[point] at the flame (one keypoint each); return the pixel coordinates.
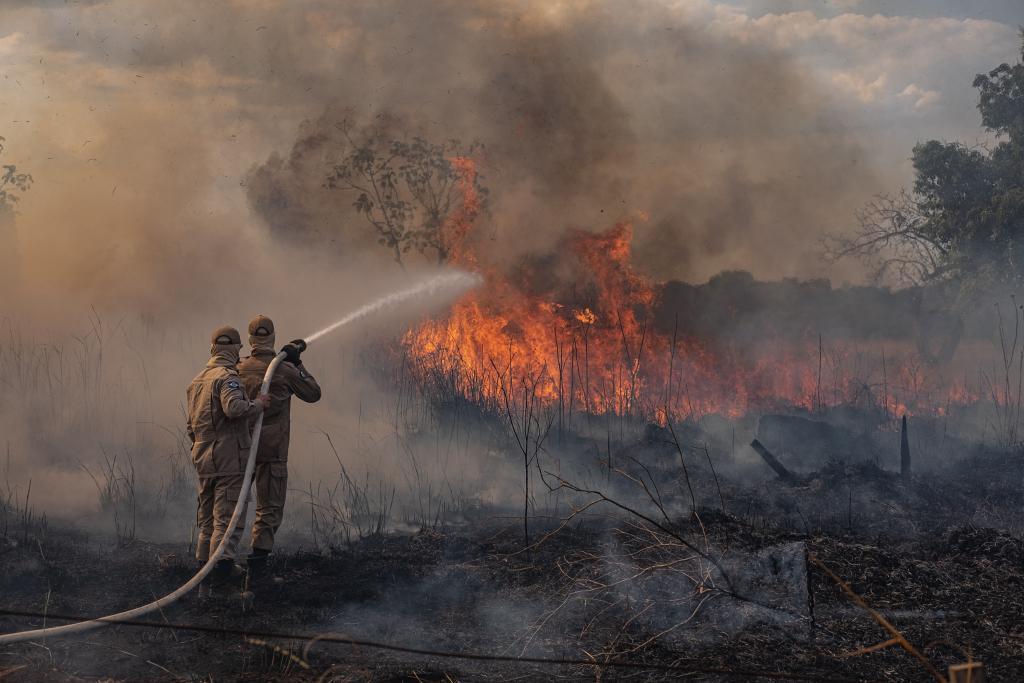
(591, 345)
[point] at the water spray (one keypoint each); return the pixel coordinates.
(447, 282)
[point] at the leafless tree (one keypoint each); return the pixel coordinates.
(894, 237)
(417, 195)
(529, 420)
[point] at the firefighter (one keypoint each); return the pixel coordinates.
(218, 414)
(271, 475)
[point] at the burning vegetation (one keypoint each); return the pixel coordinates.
(589, 334)
(591, 465)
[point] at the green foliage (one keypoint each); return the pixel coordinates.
(973, 200)
(964, 220)
(1001, 92)
(408, 191)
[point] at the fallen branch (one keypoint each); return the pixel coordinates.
(898, 637)
(784, 474)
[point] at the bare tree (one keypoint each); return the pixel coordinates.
(417, 195)
(894, 237)
(12, 182)
(529, 421)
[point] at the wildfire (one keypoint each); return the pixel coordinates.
(590, 344)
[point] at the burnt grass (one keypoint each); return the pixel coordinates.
(915, 552)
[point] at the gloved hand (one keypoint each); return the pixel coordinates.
(262, 401)
(292, 350)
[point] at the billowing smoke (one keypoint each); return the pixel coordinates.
(172, 192)
(588, 116)
(589, 112)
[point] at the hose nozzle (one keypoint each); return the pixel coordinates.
(292, 351)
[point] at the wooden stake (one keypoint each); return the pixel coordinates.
(904, 451)
(971, 672)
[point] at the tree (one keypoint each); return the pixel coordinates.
(964, 220)
(416, 195)
(12, 183)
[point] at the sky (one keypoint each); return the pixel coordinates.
(142, 121)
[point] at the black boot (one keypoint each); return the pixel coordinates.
(256, 567)
(224, 573)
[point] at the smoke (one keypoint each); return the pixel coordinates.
(173, 193)
(588, 116)
(171, 125)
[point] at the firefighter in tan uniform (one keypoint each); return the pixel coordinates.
(218, 414)
(271, 476)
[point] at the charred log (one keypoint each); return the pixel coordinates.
(773, 462)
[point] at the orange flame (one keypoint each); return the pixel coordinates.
(592, 346)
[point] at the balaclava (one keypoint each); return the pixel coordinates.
(261, 333)
(225, 343)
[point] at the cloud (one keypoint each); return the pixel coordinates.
(920, 97)
(861, 88)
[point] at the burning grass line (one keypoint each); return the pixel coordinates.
(473, 656)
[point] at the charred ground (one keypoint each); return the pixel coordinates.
(940, 556)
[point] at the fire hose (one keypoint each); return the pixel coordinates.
(170, 598)
(451, 281)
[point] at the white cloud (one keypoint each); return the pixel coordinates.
(861, 88)
(892, 65)
(920, 97)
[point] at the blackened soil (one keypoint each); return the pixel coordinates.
(952, 586)
(958, 595)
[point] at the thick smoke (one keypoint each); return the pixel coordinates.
(589, 113)
(172, 194)
(587, 116)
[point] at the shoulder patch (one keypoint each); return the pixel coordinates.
(233, 384)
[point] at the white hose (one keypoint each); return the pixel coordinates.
(170, 598)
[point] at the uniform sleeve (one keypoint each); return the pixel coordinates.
(233, 399)
(303, 384)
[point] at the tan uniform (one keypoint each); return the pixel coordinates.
(271, 475)
(218, 424)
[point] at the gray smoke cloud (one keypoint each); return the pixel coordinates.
(168, 168)
(589, 116)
